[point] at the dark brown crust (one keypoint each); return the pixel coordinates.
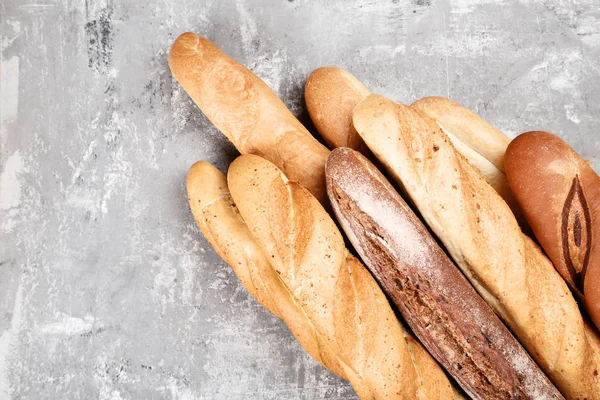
(574, 203)
(458, 328)
(560, 195)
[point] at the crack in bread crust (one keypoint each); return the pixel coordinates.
(571, 233)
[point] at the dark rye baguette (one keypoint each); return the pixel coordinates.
(560, 195)
(451, 320)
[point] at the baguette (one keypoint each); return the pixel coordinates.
(224, 229)
(222, 225)
(357, 332)
(443, 310)
(467, 127)
(479, 142)
(482, 236)
(247, 111)
(330, 94)
(560, 194)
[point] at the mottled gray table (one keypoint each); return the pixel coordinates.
(107, 288)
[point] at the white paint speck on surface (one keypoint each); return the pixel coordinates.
(116, 176)
(6, 342)
(9, 80)
(571, 115)
(566, 78)
(271, 69)
(175, 390)
(376, 51)
(469, 6)
(104, 382)
(10, 186)
(248, 27)
(78, 170)
(68, 325)
(9, 93)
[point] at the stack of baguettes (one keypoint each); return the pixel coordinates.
(268, 219)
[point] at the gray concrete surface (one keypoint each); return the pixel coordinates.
(107, 288)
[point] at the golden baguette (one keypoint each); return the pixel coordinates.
(483, 237)
(225, 230)
(357, 332)
(331, 94)
(479, 142)
(467, 127)
(247, 111)
(223, 227)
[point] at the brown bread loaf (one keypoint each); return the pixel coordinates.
(444, 311)
(560, 195)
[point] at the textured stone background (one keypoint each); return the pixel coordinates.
(107, 288)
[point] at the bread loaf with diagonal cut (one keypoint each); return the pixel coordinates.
(560, 194)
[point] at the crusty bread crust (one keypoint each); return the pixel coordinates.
(357, 333)
(331, 94)
(560, 195)
(479, 142)
(481, 234)
(247, 111)
(444, 311)
(467, 127)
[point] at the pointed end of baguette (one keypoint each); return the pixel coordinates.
(188, 53)
(330, 94)
(250, 175)
(368, 112)
(205, 184)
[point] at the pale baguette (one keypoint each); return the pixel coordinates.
(220, 222)
(247, 111)
(224, 229)
(348, 314)
(483, 237)
(466, 126)
(331, 93)
(479, 142)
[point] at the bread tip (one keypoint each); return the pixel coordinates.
(187, 36)
(197, 170)
(188, 43)
(339, 153)
(339, 159)
(316, 79)
(373, 101)
(198, 166)
(323, 70)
